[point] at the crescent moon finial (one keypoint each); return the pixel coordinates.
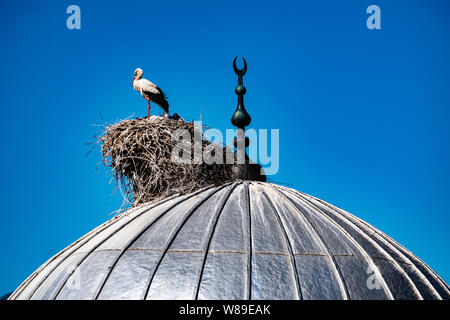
(242, 71)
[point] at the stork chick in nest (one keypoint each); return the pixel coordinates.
(150, 92)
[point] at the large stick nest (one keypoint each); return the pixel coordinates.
(138, 154)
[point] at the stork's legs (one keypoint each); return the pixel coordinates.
(148, 117)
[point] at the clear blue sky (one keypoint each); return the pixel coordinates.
(363, 114)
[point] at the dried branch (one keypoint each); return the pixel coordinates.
(138, 154)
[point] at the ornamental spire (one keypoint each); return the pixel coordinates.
(243, 168)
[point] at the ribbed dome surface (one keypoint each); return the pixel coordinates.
(244, 240)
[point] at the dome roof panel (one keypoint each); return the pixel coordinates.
(196, 228)
(234, 220)
(302, 238)
(268, 236)
(130, 276)
(225, 276)
(312, 270)
(237, 241)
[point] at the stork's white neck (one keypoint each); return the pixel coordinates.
(136, 83)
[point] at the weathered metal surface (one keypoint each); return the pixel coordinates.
(245, 240)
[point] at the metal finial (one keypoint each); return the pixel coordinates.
(243, 168)
(240, 117)
(241, 72)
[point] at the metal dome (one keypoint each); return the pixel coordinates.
(244, 240)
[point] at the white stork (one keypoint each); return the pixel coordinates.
(150, 92)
